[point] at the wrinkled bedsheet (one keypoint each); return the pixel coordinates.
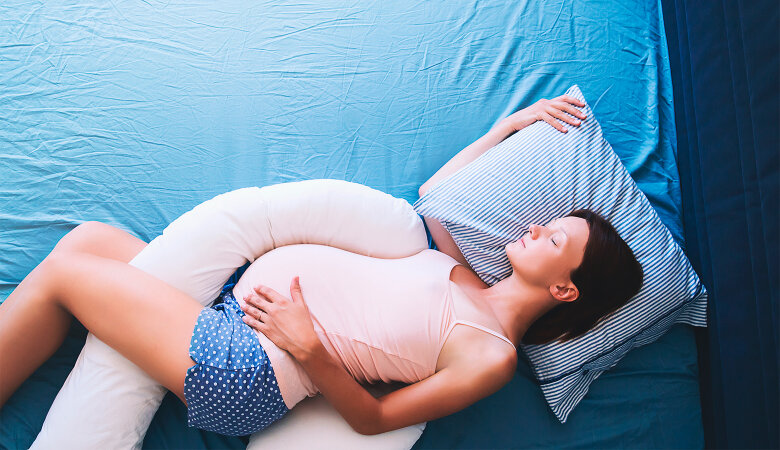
(133, 112)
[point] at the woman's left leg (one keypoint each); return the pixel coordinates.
(145, 319)
(90, 237)
(100, 239)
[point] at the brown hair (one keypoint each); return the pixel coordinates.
(607, 278)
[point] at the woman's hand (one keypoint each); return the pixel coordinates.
(549, 111)
(287, 323)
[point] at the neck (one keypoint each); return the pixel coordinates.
(517, 305)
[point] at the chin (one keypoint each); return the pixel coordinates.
(513, 262)
(512, 251)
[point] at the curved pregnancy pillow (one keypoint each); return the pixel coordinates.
(313, 424)
(108, 402)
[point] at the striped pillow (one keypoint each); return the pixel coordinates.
(539, 174)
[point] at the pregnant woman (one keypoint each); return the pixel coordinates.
(426, 320)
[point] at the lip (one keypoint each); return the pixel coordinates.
(522, 242)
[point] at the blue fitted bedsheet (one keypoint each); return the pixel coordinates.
(132, 113)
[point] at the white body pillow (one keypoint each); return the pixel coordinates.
(313, 424)
(108, 402)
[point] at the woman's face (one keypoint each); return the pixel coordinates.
(546, 255)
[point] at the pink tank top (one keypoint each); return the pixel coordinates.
(385, 320)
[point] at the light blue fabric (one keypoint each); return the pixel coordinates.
(132, 113)
(135, 114)
(539, 174)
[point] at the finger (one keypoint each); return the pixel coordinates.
(270, 294)
(256, 324)
(563, 106)
(259, 291)
(295, 290)
(563, 116)
(262, 304)
(252, 311)
(575, 112)
(551, 120)
(255, 300)
(572, 100)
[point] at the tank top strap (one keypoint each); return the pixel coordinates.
(453, 312)
(486, 330)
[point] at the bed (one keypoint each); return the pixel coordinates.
(134, 113)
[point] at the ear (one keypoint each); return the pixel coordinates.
(565, 292)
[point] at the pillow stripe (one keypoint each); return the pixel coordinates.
(539, 174)
(651, 330)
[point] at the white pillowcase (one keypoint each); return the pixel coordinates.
(108, 402)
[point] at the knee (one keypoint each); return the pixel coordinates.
(88, 228)
(46, 274)
(79, 238)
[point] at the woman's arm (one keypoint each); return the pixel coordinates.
(288, 325)
(355, 404)
(443, 240)
(448, 391)
(443, 393)
(470, 153)
(547, 110)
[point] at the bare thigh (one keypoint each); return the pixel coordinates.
(100, 239)
(145, 319)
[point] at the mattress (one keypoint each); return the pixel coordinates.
(132, 113)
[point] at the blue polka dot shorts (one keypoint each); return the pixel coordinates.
(232, 387)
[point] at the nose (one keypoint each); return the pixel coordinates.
(535, 231)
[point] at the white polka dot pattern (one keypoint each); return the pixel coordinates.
(232, 387)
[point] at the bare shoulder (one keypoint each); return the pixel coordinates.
(500, 362)
(478, 373)
(492, 368)
(475, 353)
